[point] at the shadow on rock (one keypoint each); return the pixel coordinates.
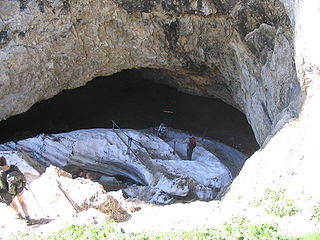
(40, 221)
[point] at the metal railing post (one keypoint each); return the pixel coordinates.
(129, 144)
(130, 140)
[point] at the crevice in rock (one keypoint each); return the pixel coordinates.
(120, 172)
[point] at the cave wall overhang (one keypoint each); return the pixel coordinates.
(240, 52)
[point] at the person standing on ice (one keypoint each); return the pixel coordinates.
(162, 130)
(192, 143)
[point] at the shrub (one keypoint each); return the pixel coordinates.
(238, 229)
(276, 203)
(316, 213)
(312, 236)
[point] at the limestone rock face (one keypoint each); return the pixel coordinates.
(239, 51)
(70, 196)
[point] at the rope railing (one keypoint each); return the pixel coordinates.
(130, 140)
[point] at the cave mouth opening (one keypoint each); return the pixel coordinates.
(134, 101)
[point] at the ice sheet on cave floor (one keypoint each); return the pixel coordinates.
(208, 151)
(206, 168)
(174, 176)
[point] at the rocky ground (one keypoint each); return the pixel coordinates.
(143, 216)
(187, 216)
(50, 209)
(262, 171)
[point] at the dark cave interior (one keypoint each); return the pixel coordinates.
(135, 102)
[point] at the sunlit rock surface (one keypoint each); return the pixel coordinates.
(55, 200)
(152, 166)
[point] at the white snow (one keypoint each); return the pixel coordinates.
(158, 164)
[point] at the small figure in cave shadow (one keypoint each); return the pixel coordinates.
(89, 176)
(192, 143)
(162, 130)
(79, 174)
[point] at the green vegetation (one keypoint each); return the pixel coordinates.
(276, 203)
(238, 229)
(316, 214)
(312, 236)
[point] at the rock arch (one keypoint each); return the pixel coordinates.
(242, 53)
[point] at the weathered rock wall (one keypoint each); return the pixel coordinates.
(290, 161)
(239, 51)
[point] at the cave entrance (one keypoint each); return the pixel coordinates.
(132, 101)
